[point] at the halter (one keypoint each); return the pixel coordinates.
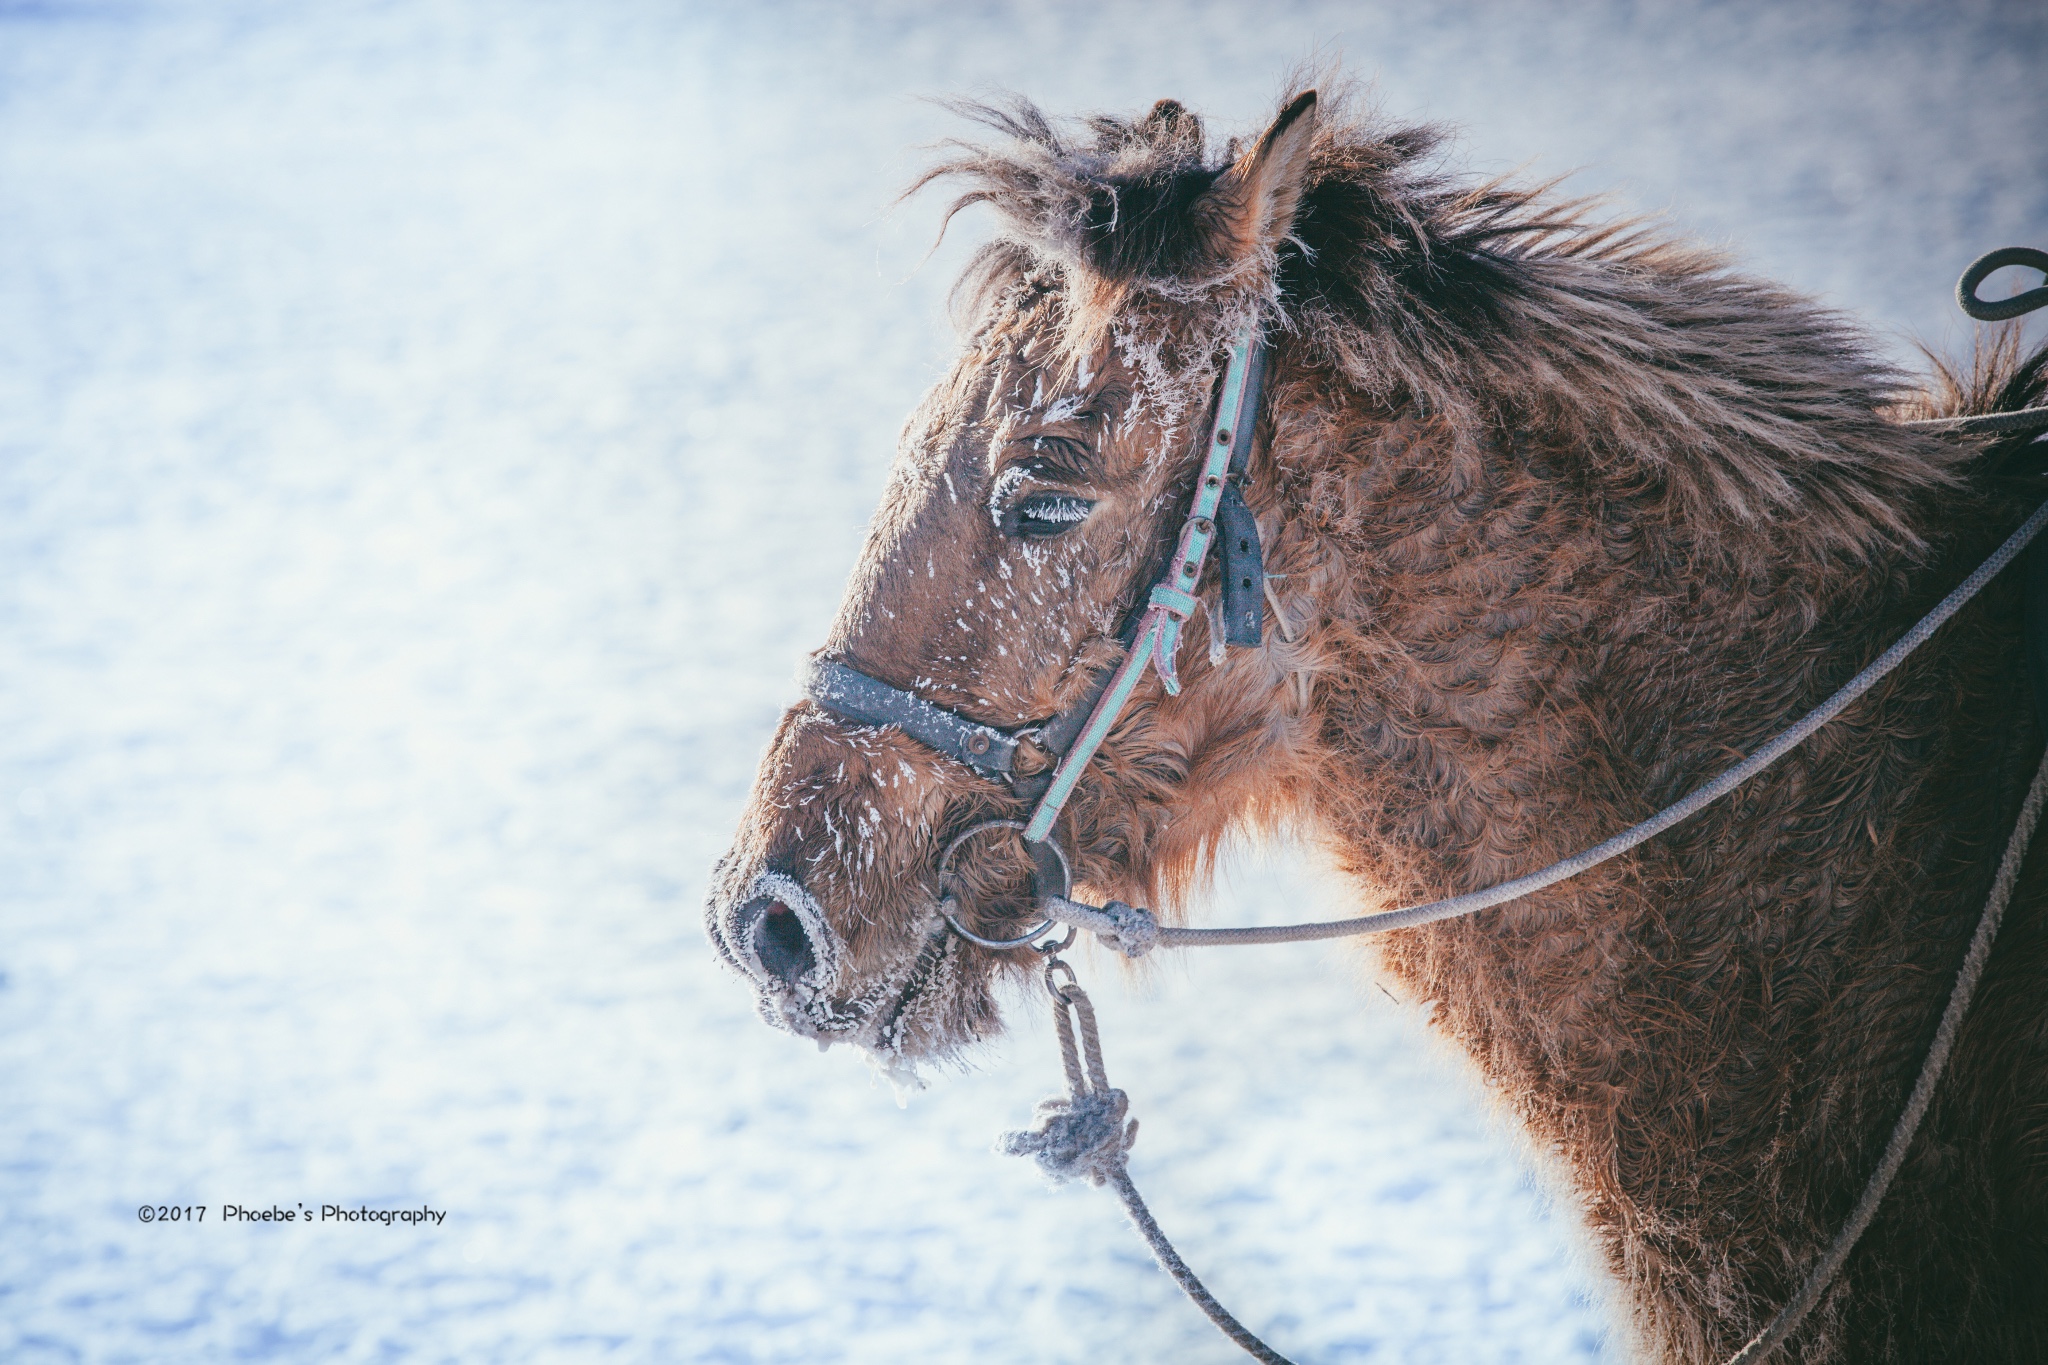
(1152, 638)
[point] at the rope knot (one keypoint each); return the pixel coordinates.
(1130, 929)
(1077, 1136)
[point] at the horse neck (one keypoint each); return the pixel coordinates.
(1524, 657)
(1525, 648)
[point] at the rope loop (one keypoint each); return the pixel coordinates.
(1054, 989)
(2002, 310)
(1081, 1135)
(1086, 1134)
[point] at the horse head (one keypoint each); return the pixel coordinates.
(1035, 498)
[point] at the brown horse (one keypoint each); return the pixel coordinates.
(1563, 516)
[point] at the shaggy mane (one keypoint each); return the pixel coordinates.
(1485, 301)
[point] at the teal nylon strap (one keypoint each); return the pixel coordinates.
(1172, 599)
(1106, 711)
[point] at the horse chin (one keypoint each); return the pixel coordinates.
(930, 1013)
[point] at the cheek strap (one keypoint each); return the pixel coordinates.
(1243, 565)
(1218, 499)
(1219, 516)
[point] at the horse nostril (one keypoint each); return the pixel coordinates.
(779, 940)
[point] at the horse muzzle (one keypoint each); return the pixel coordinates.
(776, 935)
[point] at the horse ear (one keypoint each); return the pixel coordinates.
(1252, 205)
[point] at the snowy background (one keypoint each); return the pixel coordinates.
(431, 433)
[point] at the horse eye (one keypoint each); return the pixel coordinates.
(1045, 515)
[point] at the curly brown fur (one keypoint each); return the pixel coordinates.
(1570, 515)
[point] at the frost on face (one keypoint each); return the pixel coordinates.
(1167, 394)
(1065, 408)
(1162, 395)
(902, 1076)
(1004, 488)
(899, 1016)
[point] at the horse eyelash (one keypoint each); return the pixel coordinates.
(1059, 507)
(1051, 514)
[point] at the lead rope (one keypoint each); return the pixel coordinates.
(1824, 1271)
(1135, 931)
(1085, 1135)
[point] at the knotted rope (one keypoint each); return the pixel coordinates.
(1130, 929)
(1083, 1135)
(1080, 1135)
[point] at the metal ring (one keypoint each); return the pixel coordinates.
(1044, 926)
(1066, 865)
(1053, 950)
(1059, 993)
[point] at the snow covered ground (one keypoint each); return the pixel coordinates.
(430, 434)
